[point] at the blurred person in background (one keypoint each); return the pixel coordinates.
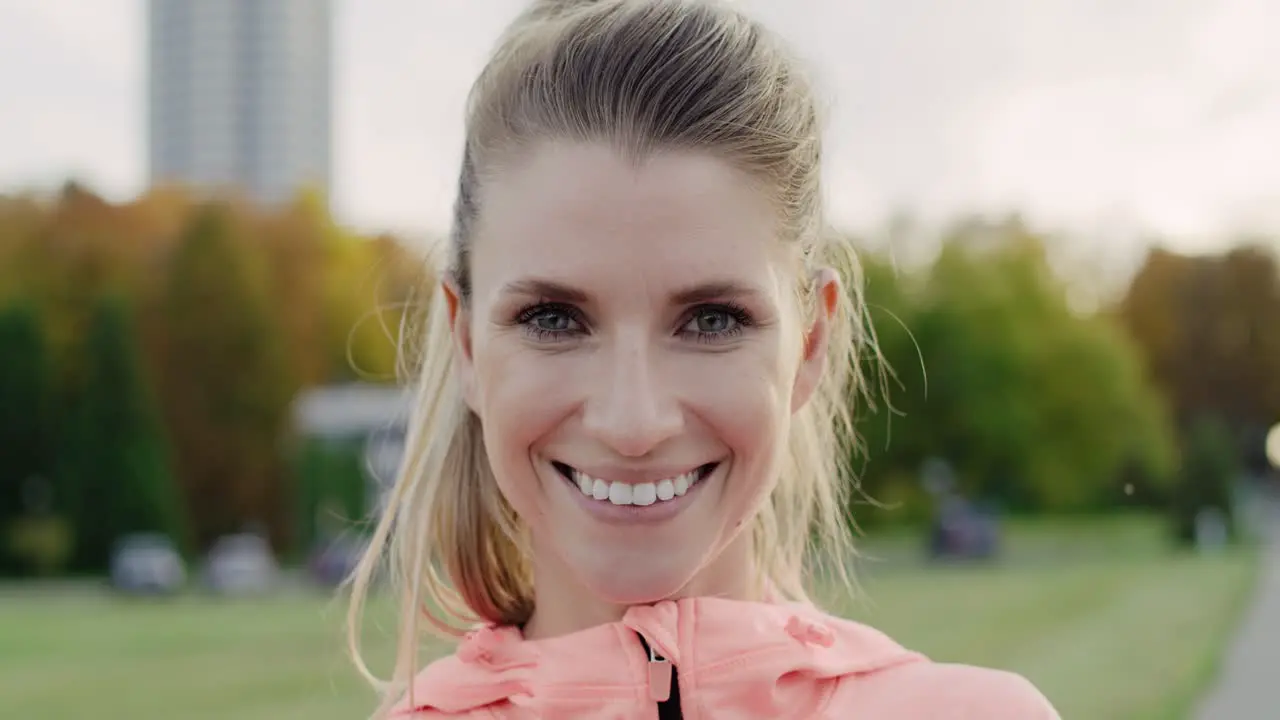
(634, 401)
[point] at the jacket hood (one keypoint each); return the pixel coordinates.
(718, 647)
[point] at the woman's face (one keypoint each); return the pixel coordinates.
(634, 351)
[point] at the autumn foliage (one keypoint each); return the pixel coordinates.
(163, 342)
(1209, 327)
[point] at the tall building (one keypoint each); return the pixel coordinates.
(240, 95)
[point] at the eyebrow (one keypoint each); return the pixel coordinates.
(548, 289)
(559, 292)
(713, 291)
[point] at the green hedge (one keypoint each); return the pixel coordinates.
(332, 487)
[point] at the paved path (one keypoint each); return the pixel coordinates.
(1249, 686)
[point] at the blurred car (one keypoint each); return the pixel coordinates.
(334, 560)
(964, 531)
(146, 564)
(241, 564)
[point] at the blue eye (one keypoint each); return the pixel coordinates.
(550, 321)
(553, 321)
(710, 323)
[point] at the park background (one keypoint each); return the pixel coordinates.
(1082, 429)
(156, 357)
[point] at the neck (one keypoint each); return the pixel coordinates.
(564, 605)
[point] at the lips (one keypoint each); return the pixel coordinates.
(640, 494)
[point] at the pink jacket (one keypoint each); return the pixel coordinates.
(732, 660)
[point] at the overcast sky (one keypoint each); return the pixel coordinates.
(1154, 114)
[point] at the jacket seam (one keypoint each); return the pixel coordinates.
(566, 691)
(689, 687)
(746, 657)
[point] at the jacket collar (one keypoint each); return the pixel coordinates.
(712, 642)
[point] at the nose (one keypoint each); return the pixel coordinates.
(632, 406)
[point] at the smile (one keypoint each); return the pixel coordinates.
(640, 494)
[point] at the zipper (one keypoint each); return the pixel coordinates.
(661, 683)
(659, 677)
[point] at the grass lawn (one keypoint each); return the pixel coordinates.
(1097, 614)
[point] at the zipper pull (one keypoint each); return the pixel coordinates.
(659, 677)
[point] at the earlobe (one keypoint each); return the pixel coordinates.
(460, 334)
(813, 362)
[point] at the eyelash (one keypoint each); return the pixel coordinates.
(741, 318)
(526, 317)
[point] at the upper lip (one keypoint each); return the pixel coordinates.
(633, 475)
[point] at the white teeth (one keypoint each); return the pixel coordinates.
(644, 494)
(666, 490)
(640, 494)
(619, 493)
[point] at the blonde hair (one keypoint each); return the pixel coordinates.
(643, 75)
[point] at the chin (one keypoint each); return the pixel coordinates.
(629, 580)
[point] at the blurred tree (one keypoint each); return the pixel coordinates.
(25, 422)
(362, 312)
(113, 476)
(21, 220)
(292, 244)
(1209, 333)
(1032, 404)
(237, 308)
(226, 382)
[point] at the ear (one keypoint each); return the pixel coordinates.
(460, 334)
(826, 294)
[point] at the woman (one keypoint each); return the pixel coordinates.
(633, 405)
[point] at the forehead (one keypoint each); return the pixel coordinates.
(578, 210)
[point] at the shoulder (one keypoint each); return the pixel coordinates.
(905, 683)
(445, 688)
(987, 693)
(878, 677)
(419, 701)
(957, 692)
(483, 671)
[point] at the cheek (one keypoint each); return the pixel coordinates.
(745, 399)
(521, 397)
